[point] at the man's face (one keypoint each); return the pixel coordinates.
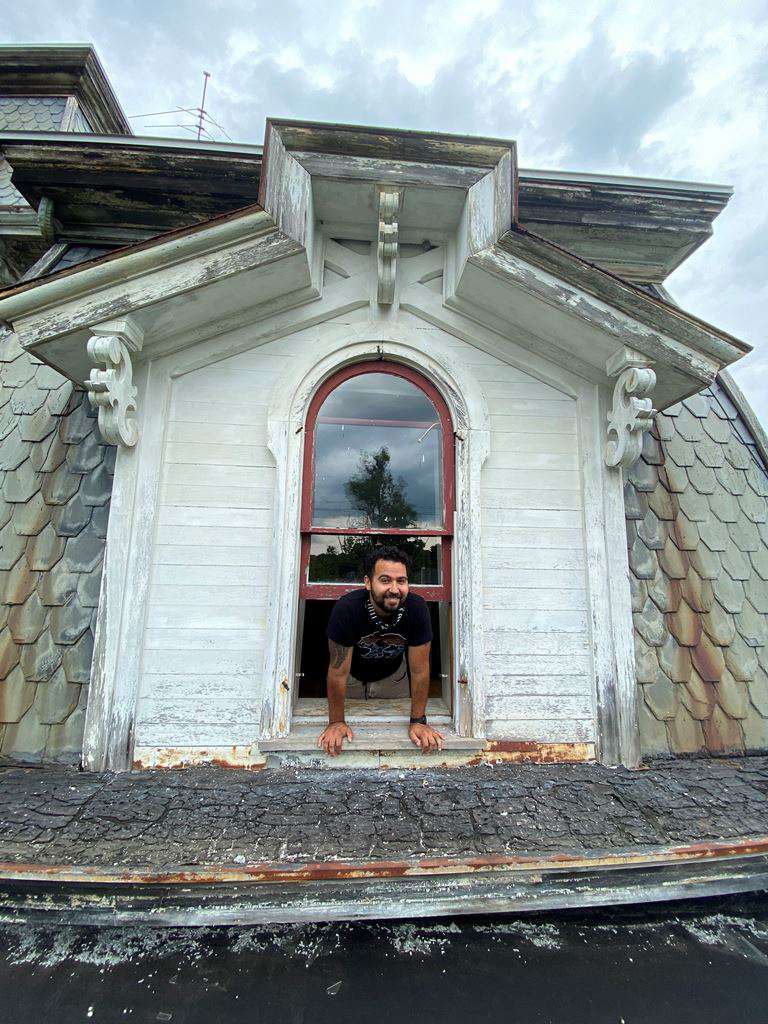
(388, 586)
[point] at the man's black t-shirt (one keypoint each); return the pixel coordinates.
(379, 644)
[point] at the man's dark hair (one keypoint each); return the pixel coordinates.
(387, 553)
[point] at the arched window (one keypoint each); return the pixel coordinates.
(378, 469)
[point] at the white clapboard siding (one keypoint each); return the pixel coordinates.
(218, 454)
(158, 639)
(206, 619)
(188, 555)
(212, 544)
(523, 560)
(214, 573)
(537, 654)
(553, 730)
(201, 688)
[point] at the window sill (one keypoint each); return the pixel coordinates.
(368, 736)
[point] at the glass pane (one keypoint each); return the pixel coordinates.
(378, 456)
(340, 559)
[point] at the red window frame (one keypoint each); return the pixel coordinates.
(332, 591)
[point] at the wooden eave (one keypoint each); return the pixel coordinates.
(642, 229)
(101, 186)
(621, 295)
(64, 69)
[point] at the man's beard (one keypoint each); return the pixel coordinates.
(383, 607)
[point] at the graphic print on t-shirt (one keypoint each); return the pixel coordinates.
(381, 645)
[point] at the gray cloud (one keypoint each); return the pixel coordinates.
(602, 106)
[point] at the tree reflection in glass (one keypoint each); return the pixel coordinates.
(377, 454)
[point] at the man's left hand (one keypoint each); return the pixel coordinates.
(426, 737)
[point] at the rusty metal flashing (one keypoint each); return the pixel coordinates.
(277, 892)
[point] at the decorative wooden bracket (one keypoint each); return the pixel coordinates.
(111, 390)
(389, 206)
(632, 413)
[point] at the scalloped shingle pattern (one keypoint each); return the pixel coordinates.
(26, 114)
(55, 488)
(697, 531)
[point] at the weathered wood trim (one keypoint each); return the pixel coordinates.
(109, 724)
(572, 300)
(609, 602)
(238, 231)
(288, 407)
(656, 315)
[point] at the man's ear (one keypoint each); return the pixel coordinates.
(367, 582)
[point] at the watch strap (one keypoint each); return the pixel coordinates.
(421, 720)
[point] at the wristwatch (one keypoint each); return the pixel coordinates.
(421, 720)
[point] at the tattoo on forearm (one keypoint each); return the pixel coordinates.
(338, 654)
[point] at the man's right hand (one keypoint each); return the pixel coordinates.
(332, 737)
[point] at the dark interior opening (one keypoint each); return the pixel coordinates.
(314, 649)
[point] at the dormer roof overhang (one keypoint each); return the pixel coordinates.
(328, 180)
(107, 187)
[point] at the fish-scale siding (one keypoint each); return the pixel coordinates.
(697, 526)
(55, 486)
(30, 114)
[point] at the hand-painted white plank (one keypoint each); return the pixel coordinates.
(530, 538)
(186, 575)
(541, 731)
(507, 441)
(224, 411)
(541, 498)
(208, 617)
(527, 599)
(527, 406)
(201, 688)
(204, 596)
(203, 384)
(511, 391)
(203, 663)
(213, 432)
(530, 479)
(216, 495)
(224, 535)
(525, 664)
(527, 621)
(498, 560)
(564, 461)
(224, 477)
(198, 733)
(180, 554)
(530, 707)
(539, 425)
(535, 579)
(198, 453)
(185, 639)
(538, 686)
(500, 641)
(202, 515)
(543, 519)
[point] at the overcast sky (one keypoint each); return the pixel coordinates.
(646, 88)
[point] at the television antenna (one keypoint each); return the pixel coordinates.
(202, 122)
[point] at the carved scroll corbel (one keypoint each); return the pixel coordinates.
(111, 390)
(632, 413)
(389, 206)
